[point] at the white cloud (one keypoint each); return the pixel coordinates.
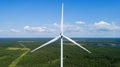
(68, 27)
(78, 29)
(56, 25)
(37, 29)
(15, 30)
(74, 29)
(106, 26)
(80, 22)
(59, 25)
(102, 24)
(89, 28)
(1, 30)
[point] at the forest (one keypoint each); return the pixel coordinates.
(16, 53)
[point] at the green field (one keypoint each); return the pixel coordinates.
(17, 54)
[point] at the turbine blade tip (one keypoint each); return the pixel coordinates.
(32, 51)
(89, 52)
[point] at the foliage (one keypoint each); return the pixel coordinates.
(49, 56)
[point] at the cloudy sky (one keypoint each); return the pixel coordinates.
(41, 18)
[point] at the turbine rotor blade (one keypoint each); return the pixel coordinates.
(53, 40)
(62, 15)
(76, 44)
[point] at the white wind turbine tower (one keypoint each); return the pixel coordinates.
(61, 37)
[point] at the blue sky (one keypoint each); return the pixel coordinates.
(41, 18)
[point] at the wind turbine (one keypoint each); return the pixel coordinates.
(61, 37)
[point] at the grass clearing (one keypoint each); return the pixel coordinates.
(17, 60)
(14, 63)
(13, 48)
